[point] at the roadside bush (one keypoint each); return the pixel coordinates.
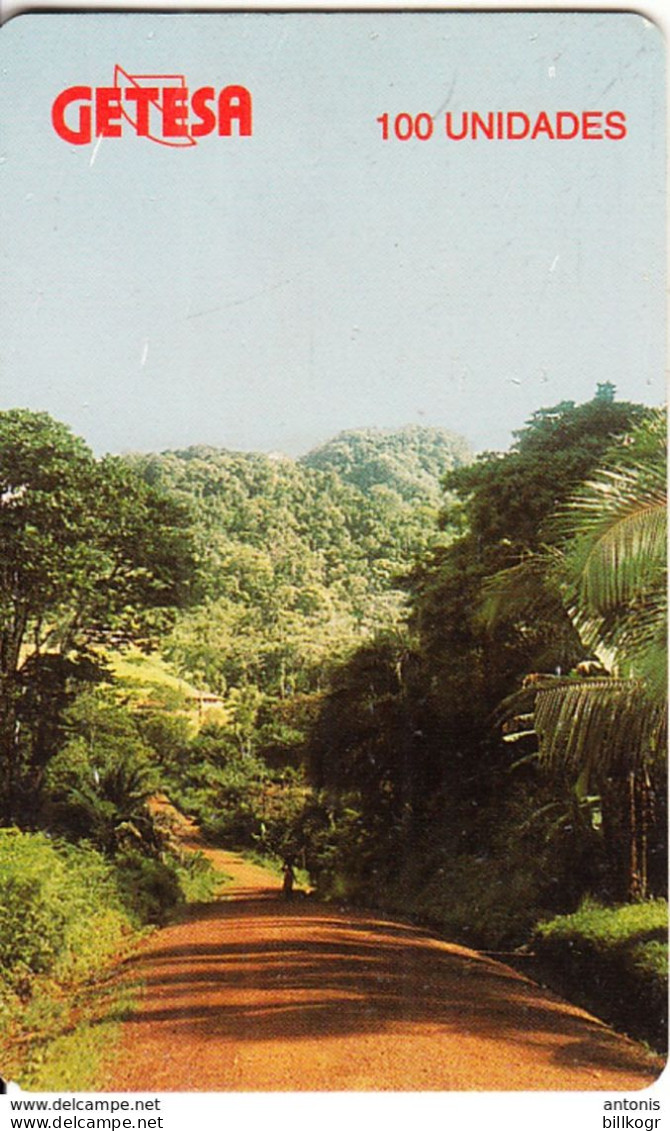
(348, 856)
(613, 961)
(60, 908)
(485, 878)
(97, 785)
(149, 887)
(472, 898)
(197, 878)
(64, 908)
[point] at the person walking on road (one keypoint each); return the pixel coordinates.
(289, 879)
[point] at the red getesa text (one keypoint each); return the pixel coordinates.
(169, 115)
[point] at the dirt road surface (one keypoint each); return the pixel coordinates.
(253, 993)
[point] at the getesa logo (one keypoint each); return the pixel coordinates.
(158, 107)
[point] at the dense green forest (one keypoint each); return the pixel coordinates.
(436, 683)
(299, 561)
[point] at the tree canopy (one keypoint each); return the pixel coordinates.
(417, 729)
(301, 560)
(88, 549)
(610, 729)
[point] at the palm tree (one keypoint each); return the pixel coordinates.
(615, 561)
(610, 731)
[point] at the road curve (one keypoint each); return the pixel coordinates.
(251, 993)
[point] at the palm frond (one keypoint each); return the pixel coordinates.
(620, 528)
(615, 561)
(598, 727)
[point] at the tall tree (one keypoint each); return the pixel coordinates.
(611, 732)
(497, 509)
(87, 548)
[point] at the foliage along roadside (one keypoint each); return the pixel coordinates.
(406, 737)
(428, 812)
(67, 914)
(612, 961)
(412, 801)
(63, 919)
(606, 724)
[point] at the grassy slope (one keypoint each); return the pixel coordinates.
(149, 680)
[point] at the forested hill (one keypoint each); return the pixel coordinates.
(300, 558)
(410, 461)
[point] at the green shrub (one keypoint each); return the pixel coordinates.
(55, 898)
(197, 878)
(613, 960)
(149, 887)
(97, 785)
(605, 927)
(484, 879)
(65, 912)
(64, 908)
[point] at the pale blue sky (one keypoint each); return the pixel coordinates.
(268, 292)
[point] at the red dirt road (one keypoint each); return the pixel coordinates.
(251, 993)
